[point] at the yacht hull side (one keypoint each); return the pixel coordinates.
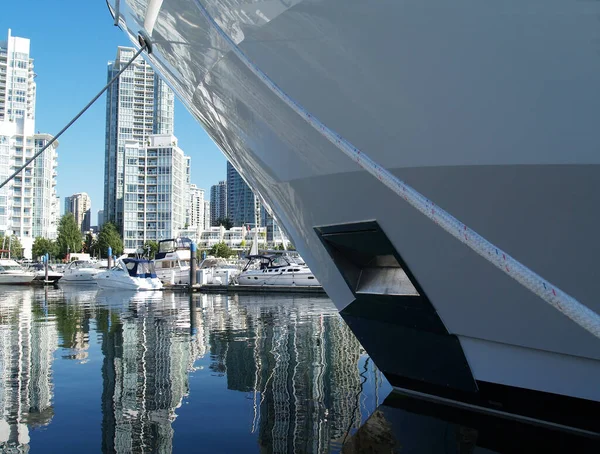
(496, 127)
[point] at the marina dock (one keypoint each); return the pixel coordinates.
(214, 288)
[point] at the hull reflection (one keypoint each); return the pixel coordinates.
(407, 425)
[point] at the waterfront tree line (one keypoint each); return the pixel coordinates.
(70, 240)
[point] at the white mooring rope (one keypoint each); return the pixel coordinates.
(569, 306)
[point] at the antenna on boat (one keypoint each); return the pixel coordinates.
(254, 248)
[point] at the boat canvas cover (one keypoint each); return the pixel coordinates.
(140, 268)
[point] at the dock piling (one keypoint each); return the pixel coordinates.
(193, 259)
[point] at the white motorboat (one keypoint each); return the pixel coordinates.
(13, 273)
(172, 261)
(130, 274)
(276, 270)
(80, 272)
(40, 274)
(218, 271)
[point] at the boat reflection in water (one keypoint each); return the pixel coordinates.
(404, 424)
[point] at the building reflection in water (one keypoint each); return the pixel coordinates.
(147, 356)
(291, 356)
(295, 357)
(28, 339)
(299, 361)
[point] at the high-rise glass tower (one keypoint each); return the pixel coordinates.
(243, 207)
(218, 202)
(138, 105)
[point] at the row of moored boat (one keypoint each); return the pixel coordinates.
(171, 266)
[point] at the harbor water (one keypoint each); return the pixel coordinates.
(86, 370)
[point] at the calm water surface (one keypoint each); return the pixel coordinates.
(87, 370)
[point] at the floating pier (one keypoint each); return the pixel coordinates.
(216, 288)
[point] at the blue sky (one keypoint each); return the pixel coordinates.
(71, 43)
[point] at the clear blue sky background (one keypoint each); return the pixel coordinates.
(71, 43)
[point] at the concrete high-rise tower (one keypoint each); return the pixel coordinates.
(138, 105)
(45, 209)
(17, 127)
(207, 224)
(196, 207)
(81, 206)
(156, 195)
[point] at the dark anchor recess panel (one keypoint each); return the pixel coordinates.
(391, 315)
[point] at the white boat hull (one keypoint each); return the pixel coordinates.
(108, 280)
(220, 276)
(16, 279)
(487, 108)
(260, 278)
(179, 275)
(53, 276)
(78, 278)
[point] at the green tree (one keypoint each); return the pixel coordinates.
(109, 236)
(225, 222)
(42, 246)
(221, 250)
(88, 243)
(16, 250)
(69, 236)
(152, 247)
